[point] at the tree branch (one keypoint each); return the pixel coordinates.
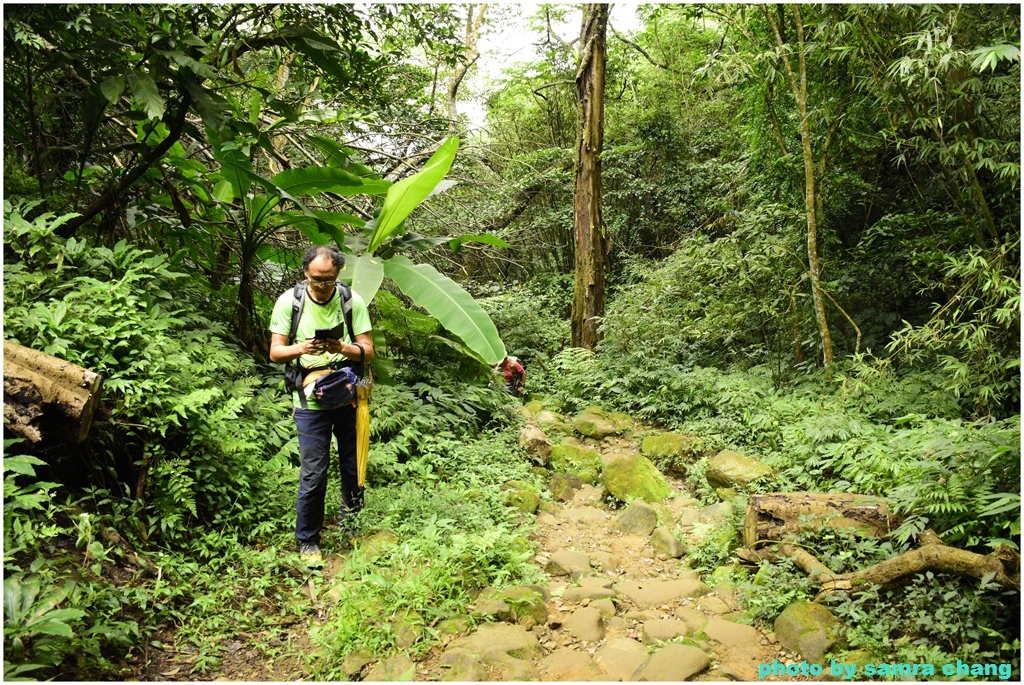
(638, 49)
(110, 195)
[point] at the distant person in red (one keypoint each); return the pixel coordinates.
(515, 375)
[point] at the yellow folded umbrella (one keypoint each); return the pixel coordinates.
(362, 430)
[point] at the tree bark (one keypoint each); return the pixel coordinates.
(474, 20)
(41, 391)
(591, 241)
(777, 516)
(800, 93)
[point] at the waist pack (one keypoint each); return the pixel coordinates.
(334, 389)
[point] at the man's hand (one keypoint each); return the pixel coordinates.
(314, 346)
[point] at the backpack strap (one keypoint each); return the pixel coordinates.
(293, 370)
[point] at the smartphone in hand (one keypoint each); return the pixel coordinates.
(324, 333)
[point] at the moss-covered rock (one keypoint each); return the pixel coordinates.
(524, 499)
(597, 423)
(554, 424)
(583, 462)
(534, 407)
(806, 628)
(729, 469)
(561, 486)
(407, 628)
(374, 545)
(633, 476)
(526, 601)
(658, 445)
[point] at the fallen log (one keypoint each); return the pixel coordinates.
(776, 516)
(933, 555)
(44, 394)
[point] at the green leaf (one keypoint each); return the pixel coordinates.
(407, 194)
(447, 302)
(364, 273)
(316, 179)
(486, 238)
(145, 92)
(113, 87)
(22, 464)
(224, 192)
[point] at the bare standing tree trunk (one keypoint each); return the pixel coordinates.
(591, 242)
(474, 20)
(800, 93)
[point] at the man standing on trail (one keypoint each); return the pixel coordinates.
(320, 303)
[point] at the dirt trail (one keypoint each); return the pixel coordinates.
(616, 610)
(610, 619)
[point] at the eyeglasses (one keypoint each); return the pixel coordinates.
(319, 282)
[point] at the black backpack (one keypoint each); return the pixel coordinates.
(293, 371)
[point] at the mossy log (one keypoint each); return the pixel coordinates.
(779, 515)
(44, 395)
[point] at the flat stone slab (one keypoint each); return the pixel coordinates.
(620, 657)
(649, 594)
(568, 563)
(664, 629)
(693, 618)
(672, 663)
(566, 664)
(495, 639)
(585, 515)
(733, 636)
(590, 588)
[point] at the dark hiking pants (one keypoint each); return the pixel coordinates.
(315, 430)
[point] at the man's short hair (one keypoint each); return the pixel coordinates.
(323, 251)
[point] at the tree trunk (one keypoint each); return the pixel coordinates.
(810, 205)
(591, 241)
(474, 20)
(43, 394)
(777, 516)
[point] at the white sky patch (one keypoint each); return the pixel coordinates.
(509, 40)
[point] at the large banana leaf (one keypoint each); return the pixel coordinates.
(447, 302)
(319, 179)
(404, 196)
(364, 273)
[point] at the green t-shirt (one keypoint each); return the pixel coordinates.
(314, 316)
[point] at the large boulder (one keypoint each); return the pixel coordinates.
(597, 423)
(806, 628)
(731, 469)
(586, 464)
(633, 476)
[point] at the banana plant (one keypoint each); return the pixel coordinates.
(440, 296)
